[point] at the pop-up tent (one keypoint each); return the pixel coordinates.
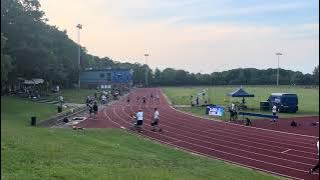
(240, 93)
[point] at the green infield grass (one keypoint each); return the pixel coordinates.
(308, 98)
(74, 95)
(59, 153)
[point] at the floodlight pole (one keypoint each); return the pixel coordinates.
(79, 26)
(211, 87)
(146, 73)
(278, 54)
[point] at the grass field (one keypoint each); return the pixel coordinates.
(43, 153)
(74, 96)
(308, 98)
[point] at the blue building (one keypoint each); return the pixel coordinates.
(106, 78)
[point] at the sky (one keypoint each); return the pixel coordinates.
(195, 35)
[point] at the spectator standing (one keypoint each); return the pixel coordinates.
(88, 101)
(103, 99)
(274, 112)
(95, 109)
(233, 107)
(61, 100)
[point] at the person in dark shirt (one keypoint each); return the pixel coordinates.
(317, 165)
(88, 101)
(95, 109)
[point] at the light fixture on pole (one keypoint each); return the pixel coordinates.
(278, 54)
(79, 26)
(146, 73)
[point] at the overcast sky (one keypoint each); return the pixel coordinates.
(195, 35)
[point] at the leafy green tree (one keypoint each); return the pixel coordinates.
(6, 62)
(31, 48)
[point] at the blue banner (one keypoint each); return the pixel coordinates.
(215, 110)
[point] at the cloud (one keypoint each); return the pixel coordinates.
(202, 10)
(123, 31)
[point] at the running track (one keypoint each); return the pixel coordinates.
(285, 154)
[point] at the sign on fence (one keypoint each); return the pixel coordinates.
(215, 110)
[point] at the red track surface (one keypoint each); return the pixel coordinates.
(286, 154)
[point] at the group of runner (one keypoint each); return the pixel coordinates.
(144, 98)
(137, 120)
(138, 117)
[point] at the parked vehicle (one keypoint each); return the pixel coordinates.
(285, 102)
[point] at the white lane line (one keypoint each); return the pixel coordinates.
(174, 141)
(218, 144)
(183, 149)
(286, 151)
(220, 151)
(243, 140)
(242, 125)
(288, 160)
(244, 134)
(205, 147)
(105, 113)
(230, 128)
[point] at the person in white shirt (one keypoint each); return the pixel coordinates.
(233, 112)
(61, 100)
(155, 121)
(104, 99)
(274, 112)
(139, 116)
(233, 106)
(316, 166)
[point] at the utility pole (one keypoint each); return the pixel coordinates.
(146, 72)
(278, 54)
(79, 26)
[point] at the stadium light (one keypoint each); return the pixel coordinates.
(278, 54)
(146, 75)
(79, 26)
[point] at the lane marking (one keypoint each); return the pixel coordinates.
(286, 151)
(242, 125)
(183, 149)
(202, 146)
(243, 139)
(207, 148)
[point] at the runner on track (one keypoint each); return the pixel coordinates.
(155, 121)
(139, 116)
(316, 166)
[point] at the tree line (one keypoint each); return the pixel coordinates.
(30, 48)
